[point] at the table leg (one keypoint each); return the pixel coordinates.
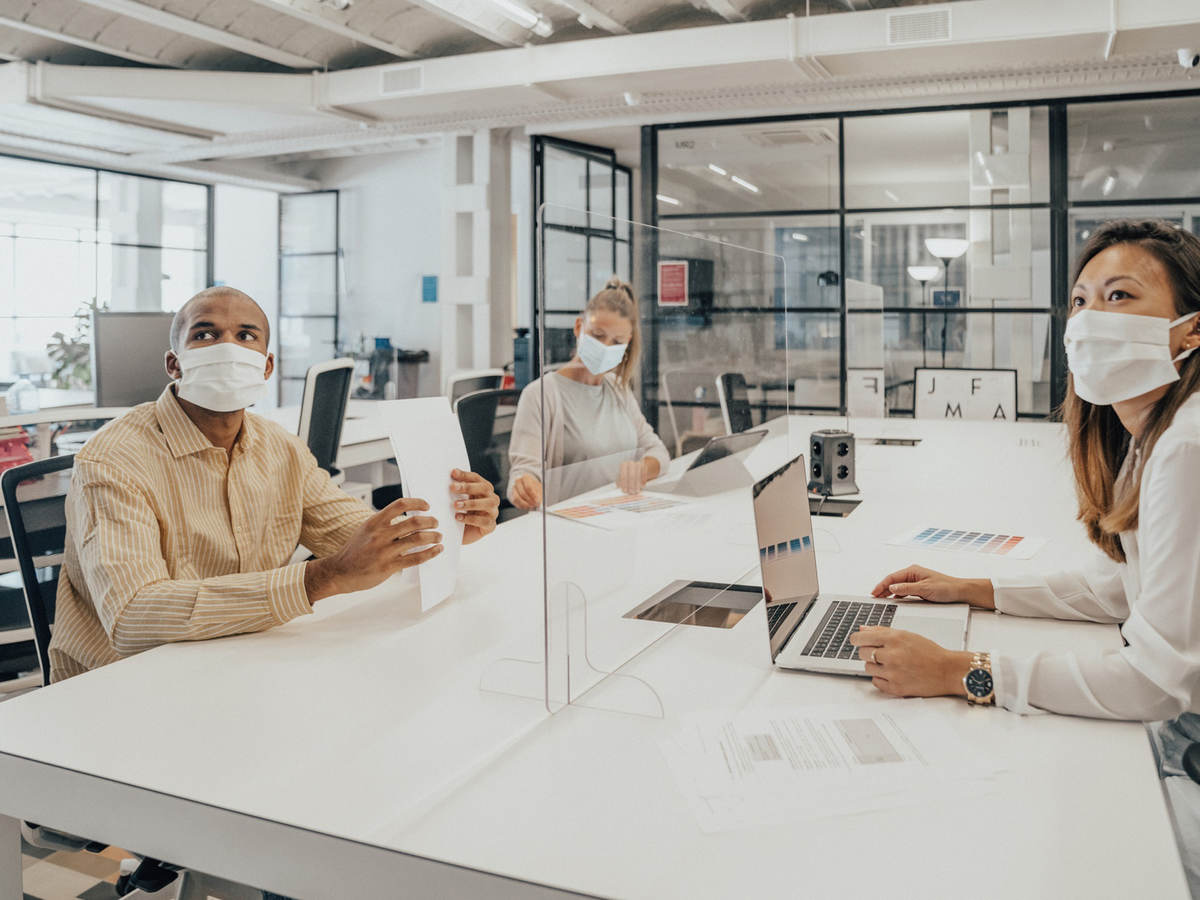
(10, 859)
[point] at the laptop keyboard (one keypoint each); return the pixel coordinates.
(831, 640)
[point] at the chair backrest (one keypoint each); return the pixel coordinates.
(735, 403)
(487, 444)
(460, 384)
(979, 394)
(37, 530)
(323, 408)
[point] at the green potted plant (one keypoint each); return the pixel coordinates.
(71, 356)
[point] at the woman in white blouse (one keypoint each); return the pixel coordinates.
(1132, 413)
(595, 431)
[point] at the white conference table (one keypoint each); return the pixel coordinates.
(355, 754)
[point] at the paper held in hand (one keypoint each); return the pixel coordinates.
(428, 444)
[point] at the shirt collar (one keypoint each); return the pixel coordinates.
(183, 437)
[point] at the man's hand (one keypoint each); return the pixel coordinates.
(478, 506)
(377, 550)
(527, 492)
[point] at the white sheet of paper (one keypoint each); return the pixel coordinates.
(428, 443)
(747, 768)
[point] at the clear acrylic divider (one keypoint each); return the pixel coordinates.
(710, 318)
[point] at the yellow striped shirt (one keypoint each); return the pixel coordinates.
(171, 539)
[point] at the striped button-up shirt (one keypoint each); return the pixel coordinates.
(169, 538)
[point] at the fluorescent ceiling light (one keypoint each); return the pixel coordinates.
(924, 273)
(799, 236)
(891, 196)
(524, 16)
(717, 169)
(987, 173)
(663, 198)
(947, 248)
(979, 157)
(1110, 182)
(744, 183)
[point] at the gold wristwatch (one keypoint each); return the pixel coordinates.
(981, 689)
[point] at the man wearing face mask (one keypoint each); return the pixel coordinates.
(182, 514)
(595, 431)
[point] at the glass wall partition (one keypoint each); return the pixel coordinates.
(72, 238)
(929, 238)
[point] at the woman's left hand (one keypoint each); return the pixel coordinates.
(904, 664)
(477, 510)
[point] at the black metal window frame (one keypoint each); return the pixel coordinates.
(1058, 205)
(589, 153)
(97, 171)
(336, 253)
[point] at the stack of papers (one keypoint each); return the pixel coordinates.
(776, 766)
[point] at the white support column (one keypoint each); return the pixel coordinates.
(476, 252)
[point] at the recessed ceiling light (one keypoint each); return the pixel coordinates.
(891, 196)
(717, 169)
(663, 198)
(744, 183)
(799, 236)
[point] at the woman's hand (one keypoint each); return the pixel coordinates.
(917, 581)
(527, 492)
(904, 664)
(478, 509)
(633, 476)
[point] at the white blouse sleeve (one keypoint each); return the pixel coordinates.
(1094, 593)
(1157, 675)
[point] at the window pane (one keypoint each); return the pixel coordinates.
(1086, 220)
(742, 168)
(307, 285)
(303, 342)
(308, 223)
(154, 213)
(600, 194)
(23, 343)
(622, 213)
(809, 246)
(601, 261)
(1134, 149)
(565, 177)
(35, 193)
(52, 278)
(1007, 262)
(961, 157)
(566, 270)
(141, 278)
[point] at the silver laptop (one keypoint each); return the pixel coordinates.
(810, 630)
(717, 467)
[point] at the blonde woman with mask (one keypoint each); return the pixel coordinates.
(595, 431)
(1132, 413)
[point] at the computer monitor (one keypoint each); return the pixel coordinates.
(127, 356)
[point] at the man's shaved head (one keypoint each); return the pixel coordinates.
(248, 310)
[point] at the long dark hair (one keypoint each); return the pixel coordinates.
(1098, 442)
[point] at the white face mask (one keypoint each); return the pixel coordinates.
(1116, 356)
(600, 358)
(222, 377)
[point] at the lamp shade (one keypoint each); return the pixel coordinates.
(947, 248)
(924, 273)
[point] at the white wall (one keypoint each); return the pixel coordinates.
(246, 252)
(390, 234)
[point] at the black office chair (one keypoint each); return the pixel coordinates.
(37, 534)
(487, 445)
(323, 411)
(460, 384)
(735, 402)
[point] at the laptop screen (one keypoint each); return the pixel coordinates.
(726, 445)
(786, 555)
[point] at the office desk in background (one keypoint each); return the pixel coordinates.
(354, 754)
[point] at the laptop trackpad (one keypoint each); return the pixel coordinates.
(946, 632)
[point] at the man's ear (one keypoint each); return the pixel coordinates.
(171, 361)
(270, 366)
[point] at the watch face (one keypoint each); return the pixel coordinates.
(979, 682)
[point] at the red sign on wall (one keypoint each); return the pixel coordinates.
(672, 283)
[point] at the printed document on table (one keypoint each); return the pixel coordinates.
(428, 443)
(774, 766)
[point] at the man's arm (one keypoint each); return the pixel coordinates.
(139, 605)
(330, 515)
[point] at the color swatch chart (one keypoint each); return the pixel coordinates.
(632, 503)
(962, 540)
(786, 548)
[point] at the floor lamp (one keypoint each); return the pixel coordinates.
(925, 274)
(946, 249)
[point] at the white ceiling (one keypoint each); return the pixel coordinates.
(245, 84)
